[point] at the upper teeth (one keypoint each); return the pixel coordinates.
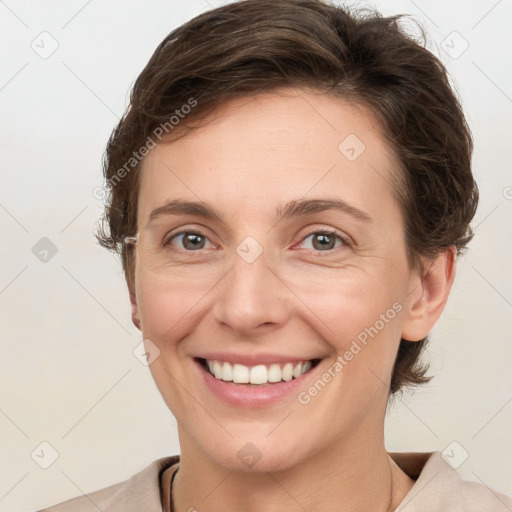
(259, 374)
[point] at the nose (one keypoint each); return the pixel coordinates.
(250, 296)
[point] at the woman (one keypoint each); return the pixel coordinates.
(289, 190)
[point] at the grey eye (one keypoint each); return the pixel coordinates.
(323, 241)
(190, 240)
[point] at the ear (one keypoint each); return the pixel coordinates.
(135, 310)
(428, 298)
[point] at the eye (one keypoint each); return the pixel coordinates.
(190, 240)
(323, 241)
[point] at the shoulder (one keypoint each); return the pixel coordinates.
(141, 491)
(439, 487)
(88, 502)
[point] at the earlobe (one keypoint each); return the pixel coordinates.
(428, 300)
(135, 311)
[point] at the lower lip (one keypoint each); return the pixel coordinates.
(241, 395)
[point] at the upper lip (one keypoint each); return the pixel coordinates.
(254, 359)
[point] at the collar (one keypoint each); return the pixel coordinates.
(411, 463)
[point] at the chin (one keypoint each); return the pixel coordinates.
(255, 454)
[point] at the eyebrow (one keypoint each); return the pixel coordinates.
(295, 208)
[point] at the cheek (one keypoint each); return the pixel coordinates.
(352, 302)
(166, 308)
(360, 316)
(167, 316)
(362, 325)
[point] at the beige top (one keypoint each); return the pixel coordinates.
(438, 488)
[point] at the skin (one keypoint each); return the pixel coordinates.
(254, 155)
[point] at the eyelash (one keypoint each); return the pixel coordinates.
(332, 233)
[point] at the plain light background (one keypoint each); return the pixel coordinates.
(68, 374)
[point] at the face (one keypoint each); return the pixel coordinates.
(299, 256)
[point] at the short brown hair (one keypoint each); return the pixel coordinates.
(360, 56)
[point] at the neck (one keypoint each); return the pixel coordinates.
(349, 476)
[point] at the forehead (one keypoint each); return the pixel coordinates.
(256, 153)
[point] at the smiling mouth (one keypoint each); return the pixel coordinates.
(257, 375)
